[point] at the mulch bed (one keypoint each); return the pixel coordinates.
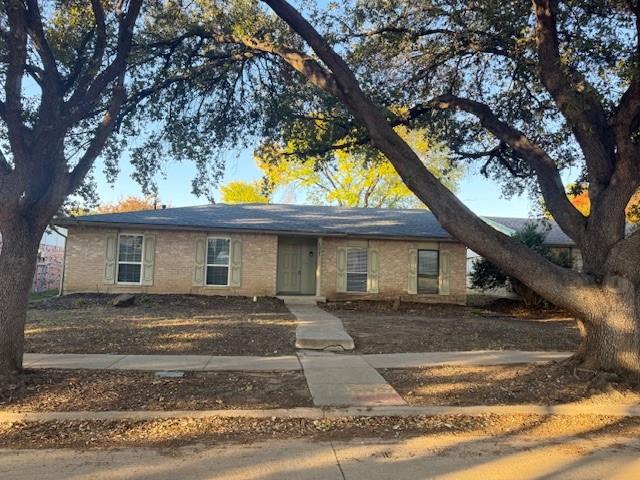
(161, 324)
(172, 433)
(377, 328)
(101, 390)
(508, 385)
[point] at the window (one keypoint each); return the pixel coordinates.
(428, 268)
(218, 261)
(357, 260)
(130, 258)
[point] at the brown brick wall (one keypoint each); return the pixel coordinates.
(174, 263)
(394, 270)
(175, 257)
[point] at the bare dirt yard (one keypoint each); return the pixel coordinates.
(172, 433)
(160, 324)
(509, 384)
(377, 327)
(82, 390)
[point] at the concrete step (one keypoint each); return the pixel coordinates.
(323, 338)
(319, 330)
(302, 299)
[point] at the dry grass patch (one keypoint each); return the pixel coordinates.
(80, 390)
(171, 433)
(161, 324)
(508, 385)
(377, 328)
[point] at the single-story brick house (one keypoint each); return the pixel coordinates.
(267, 250)
(270, 250)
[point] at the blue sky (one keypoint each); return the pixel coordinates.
(481, 195)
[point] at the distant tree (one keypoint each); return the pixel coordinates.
(243, 192)
(353, 177)
(579, 197)
(129, 204)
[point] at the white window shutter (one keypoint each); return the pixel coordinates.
(149, 259)
(412, 287)
(201, 258)
(444, 287)
(111, 250)
(341, 269)
(235, 263)
(372, 270)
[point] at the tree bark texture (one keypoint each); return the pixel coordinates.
(18, 259)
(610, 329)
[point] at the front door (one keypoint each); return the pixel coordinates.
(297, 265)
(289, 273)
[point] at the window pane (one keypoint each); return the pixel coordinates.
(357, 260)
(218, 251)
(130, 248)
(217, 275)
(427, 285)
(428, 262)
(128, 272)
(356, 282)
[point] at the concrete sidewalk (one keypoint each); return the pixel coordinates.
(442, 457)
(319, 330)
(160, 362)
(468, 359)
(291, 362)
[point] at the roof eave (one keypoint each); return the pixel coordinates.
(204, 228)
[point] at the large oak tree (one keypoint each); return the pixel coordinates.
(602, 122)
(84, 79)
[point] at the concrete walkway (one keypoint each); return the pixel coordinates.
(334, 379)
(441, 457)
(318, 329)
(159, 362)
(291, 362)
(346, 380)
(468, 359)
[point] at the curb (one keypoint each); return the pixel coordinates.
(323, 413)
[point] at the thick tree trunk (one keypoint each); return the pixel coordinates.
(18, 259)
(611, 334)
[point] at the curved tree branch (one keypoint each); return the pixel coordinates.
(17, 46)
(575, 98)
(567, 216)
(516, 259)
(102, 132)
(81, 102)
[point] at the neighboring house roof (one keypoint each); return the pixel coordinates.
(555, 235)
(299, 219)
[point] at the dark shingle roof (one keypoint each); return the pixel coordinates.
(301, 219)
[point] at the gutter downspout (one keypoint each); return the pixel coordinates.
(64, 261)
